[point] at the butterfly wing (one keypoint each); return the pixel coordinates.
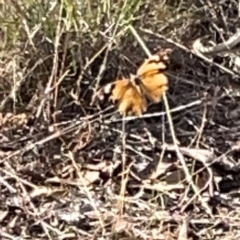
(127, 94)
(133, 101)
(120, 88)
(154, 86)
(155, 63)
(114, 90)
(151, 66)
(151, 72)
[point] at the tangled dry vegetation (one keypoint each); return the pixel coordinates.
(68, 168)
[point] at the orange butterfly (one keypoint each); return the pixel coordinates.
(149, 83)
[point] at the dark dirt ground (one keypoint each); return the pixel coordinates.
(61, 170)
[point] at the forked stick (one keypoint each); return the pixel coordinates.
(223, 47)
(175, 141)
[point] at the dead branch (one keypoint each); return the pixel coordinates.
(219, 48)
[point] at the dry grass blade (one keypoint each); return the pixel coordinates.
(183, 232)
(157, 114)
